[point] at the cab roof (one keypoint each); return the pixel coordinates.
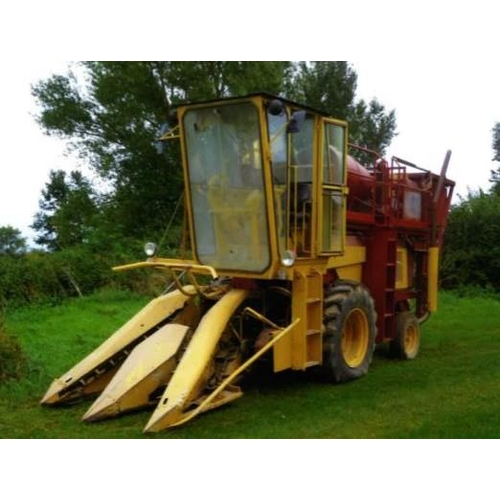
(265, 96)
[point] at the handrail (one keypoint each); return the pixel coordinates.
(173, 266)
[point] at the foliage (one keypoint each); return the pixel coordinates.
(43, 277)
(471, 253)
(331, 86)
(12, 359)
(112, 118)
(111, 113)
(68, 209)
(11, 241)
(371, 126)
(326, 85)
(474, 291)
(199, 80)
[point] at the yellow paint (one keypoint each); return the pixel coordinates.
(316, 232)
(148, 367)
(355, 338)
(154, 312)
(352, 255)
(432, 284)
(282, 354)
(170, 264)
(401, 268)
(208, 403)
(353, 272)
(306, 339)
(411, 339)
(188, 378)
(299, 311)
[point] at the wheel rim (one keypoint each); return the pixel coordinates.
(411, 339)
(355, 337)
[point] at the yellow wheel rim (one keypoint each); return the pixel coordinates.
(355, 338)
(411, 339)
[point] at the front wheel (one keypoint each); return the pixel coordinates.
(349, 332)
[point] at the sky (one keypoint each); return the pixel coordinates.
(27, 155)
(439, 105)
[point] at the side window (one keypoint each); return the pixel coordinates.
(334, 188)
(278, 143)
(302, 149)
(333, 156)
(333, 221)
(301, 186)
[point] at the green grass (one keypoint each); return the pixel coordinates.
(450, 391)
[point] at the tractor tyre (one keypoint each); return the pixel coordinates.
(406, 344)
(349, 332)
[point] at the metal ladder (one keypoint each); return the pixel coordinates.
(307, 304)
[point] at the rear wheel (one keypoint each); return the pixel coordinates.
(406, 344)
(349, 332)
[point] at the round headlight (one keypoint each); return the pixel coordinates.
(288, 258)
(150, 249)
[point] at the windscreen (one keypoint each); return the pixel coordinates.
(227, 187)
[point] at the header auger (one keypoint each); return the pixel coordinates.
(307, 260)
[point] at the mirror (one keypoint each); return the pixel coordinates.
(275, 107)
(296, 122)
(160, 145)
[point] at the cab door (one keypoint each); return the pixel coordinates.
(333, 187)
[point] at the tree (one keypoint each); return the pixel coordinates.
(331, 86)
(326, 85)
(68, 208)
(471, 252)
(111, 112)
(198, 80)
(11, 241)
(112, 118)
(371, 126)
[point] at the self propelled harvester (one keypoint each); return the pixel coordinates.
(303, 258)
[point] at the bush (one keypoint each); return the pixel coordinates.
(475, 291)
(43, 277)
(471, 249)
(12, 359)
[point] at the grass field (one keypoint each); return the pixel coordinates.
(452, 390)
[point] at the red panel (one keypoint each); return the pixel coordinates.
(379, 275)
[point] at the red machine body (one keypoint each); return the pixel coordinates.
(397, 211)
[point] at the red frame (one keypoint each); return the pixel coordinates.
(381, 223)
